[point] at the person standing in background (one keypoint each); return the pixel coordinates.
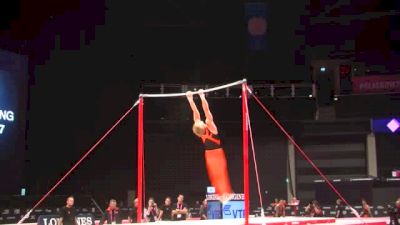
(68, 213)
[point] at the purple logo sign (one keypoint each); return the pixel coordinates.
(393, 125)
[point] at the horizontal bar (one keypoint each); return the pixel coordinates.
(195, 92)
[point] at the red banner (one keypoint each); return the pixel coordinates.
(376, 84)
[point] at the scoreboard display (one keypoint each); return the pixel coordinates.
(13, 104)
(8, 106)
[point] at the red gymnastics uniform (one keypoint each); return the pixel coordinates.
(216, 164)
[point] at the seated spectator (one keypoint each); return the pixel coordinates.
(194, 211)
(112, 214)
(180, 209)
(132, 218)
(340, 207)
(294, 204)
(274, 203)
(309, 210)
(394, 213)
(313, 209)
(151, 212)
(166, 210)
(203, 210)
(280, 208)
(366, 210)
(317, 209)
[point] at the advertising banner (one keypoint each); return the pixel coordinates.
(376, 84)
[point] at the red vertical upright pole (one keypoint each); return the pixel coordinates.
(140, 161)
(245, 155)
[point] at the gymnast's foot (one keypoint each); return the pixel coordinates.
(226, 197)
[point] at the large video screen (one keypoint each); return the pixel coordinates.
(13, 102)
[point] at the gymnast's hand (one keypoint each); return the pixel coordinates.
(189, 95)
(201, 94)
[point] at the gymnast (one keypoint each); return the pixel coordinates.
(214, 153)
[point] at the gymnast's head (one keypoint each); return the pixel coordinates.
(199, 128)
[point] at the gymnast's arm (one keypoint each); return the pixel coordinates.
(209, 117)
(196, 113)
